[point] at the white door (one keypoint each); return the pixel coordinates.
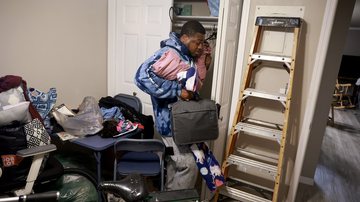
(225, 63)
(224, 71)
(135, 29)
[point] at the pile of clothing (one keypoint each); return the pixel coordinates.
(121, 119)
(110, 118)
(21, 124)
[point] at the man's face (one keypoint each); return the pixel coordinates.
(194, 43)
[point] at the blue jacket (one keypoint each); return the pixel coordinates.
(162, 92)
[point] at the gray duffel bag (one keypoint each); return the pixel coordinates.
(194, 121)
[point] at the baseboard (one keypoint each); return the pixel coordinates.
(306, 180)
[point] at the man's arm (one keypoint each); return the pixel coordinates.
(154, 85)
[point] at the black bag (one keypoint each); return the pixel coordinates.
(12, 139)
(194, 121)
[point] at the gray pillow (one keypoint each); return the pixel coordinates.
(17, 112)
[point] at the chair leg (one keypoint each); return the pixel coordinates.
(162, 177)
(33, 173)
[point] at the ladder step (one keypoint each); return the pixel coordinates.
(271, 159)
(262, 94)
(241, 195)
(273, 58)
(259, 131)
(235, 179)
(245, 163)
(278, 21)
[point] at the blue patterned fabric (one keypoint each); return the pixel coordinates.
(208, 166)
(163, 92)
(188, 79)
(214, 7)
(112, 113)
(43, 102)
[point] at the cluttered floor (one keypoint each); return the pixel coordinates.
(72, 186)
(75, 187)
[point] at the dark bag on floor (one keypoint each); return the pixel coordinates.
(194, 121)
(12, 139)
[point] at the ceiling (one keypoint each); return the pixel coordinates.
(355, 21)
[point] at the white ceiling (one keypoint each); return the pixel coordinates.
(355, 22)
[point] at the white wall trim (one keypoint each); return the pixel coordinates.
(216, 74)
(306, 180)
(111, 60)
(240, 60)
(318, 67)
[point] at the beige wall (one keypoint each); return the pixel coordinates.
(56, 43)
(352, 46)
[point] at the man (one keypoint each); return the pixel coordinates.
(184, 48)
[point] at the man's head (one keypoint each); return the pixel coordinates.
(192, 35)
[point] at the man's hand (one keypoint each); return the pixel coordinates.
(186, 95)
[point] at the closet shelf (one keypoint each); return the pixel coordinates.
(199, 18)
(206, 26)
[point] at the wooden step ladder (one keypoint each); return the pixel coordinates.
(261, 164)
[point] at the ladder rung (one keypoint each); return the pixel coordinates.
(271, 159)
(259, 131)
(278, 21)
(267, 169)
(263, 123)
(274, 58)
(241, 195)
(262, 94)
(232, 178)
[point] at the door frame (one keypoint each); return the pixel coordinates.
(218, 73)
(111, 54)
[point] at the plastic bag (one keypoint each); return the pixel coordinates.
(87, 121)
(76, 188)
(73, 185)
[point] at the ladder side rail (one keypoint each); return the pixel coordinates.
(240, 105)
(232, 138)
(286, 118)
